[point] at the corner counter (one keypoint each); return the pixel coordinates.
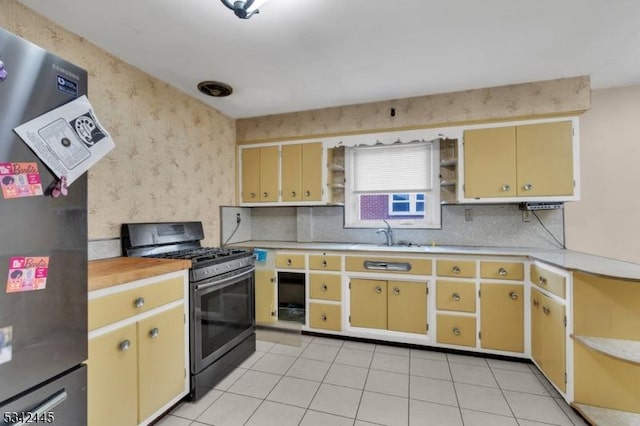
(104, 273)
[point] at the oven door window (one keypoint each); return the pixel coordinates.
(224, 313)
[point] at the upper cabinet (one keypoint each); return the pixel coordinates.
(533, 162)
(284, 173)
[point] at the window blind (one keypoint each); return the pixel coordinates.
(394, 168)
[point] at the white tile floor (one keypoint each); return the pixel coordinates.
(327, 382)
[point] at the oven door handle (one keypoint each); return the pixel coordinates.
(225, 280)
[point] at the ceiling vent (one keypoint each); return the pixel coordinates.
(215, 89)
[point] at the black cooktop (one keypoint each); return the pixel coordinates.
(202, 254)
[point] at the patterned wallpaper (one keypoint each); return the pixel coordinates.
(551, 97)
(174, 157)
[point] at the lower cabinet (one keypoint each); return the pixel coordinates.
(325, 316)
(502, 317)
(456, 330)
(389, 305)
(265, 294)
(548, 337)
(138, 365)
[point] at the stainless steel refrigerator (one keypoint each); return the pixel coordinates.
(43, 251)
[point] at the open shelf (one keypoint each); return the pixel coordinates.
(626, 350)
(606, 416)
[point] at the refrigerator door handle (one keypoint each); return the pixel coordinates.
(46, 407)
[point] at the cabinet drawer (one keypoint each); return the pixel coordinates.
(293, 261)
(395, 265)
(326, 316)
(548, 280)
(502, 270)
(455, 296)
(456, 268)
(456, 330)
(325, 286)
(327, 263)
(115, 307)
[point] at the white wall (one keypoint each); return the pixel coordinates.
(605, 220)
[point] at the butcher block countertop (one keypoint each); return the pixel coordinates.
(105, 273)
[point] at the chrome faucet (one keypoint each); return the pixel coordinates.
(388, 233)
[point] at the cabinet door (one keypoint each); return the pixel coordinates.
(265, 297)
(537, 326)
(312, 171)
(113, 378)
(291, 172)
(502, 317)
(269, 174)
(368, 303)
(250, 175)
(490, 162)
(161, 366)
(407, 306)
(545, 159)
(553, 341)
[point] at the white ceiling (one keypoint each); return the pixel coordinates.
(305, 54)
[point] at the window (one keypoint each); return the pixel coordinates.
(393, 182)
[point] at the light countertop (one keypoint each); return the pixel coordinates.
(567, 259)
(105, 273)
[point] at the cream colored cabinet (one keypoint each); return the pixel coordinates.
(389, 305)
(548, 337)
(456, 330)
(502, 317)
(138, 355)
(302, 172)
(265, 294)
(260, 174)
(527, 161)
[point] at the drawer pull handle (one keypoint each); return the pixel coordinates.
(293, 193)
(455, 297)
(378, 289)
(324, 317)
(387, 266)
(289, 262)
(265, 194)
(513, 295)
(546, 310)
(528, 187)
(542, 280)
(502, 272)
(396, 291)
(139, 302)
(506, 188)
(153, 333)
(307, 193)
(323, 263)
(324, 287)
(456, 331)
(253, 195)
(455, 270)
(124, 345)
(535, 303)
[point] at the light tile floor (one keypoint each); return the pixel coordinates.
(324, 382)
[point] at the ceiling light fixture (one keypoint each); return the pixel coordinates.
(244, 9)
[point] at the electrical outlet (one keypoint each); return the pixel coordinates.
(238, 218)
(526, 215)
(468, 215)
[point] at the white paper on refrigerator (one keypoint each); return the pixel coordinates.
(68, 139)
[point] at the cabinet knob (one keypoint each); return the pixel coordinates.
(153, 333)
(324, 317)
(535, 302)
(456, 331)
(506, 188)
(124, 345)
(542, 280)
(324, 287)
(293, 193)
(528, 187)
(323, 263)
(455, 297)
(502, 272)
(513, 295)
(139, 302)
(546, 310)
(396, 291)
(307, 193)
(455, 270)
(289, 262)
(253, 195)
(378, 289)
(265, 194)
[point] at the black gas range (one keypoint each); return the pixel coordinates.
(221, 295)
